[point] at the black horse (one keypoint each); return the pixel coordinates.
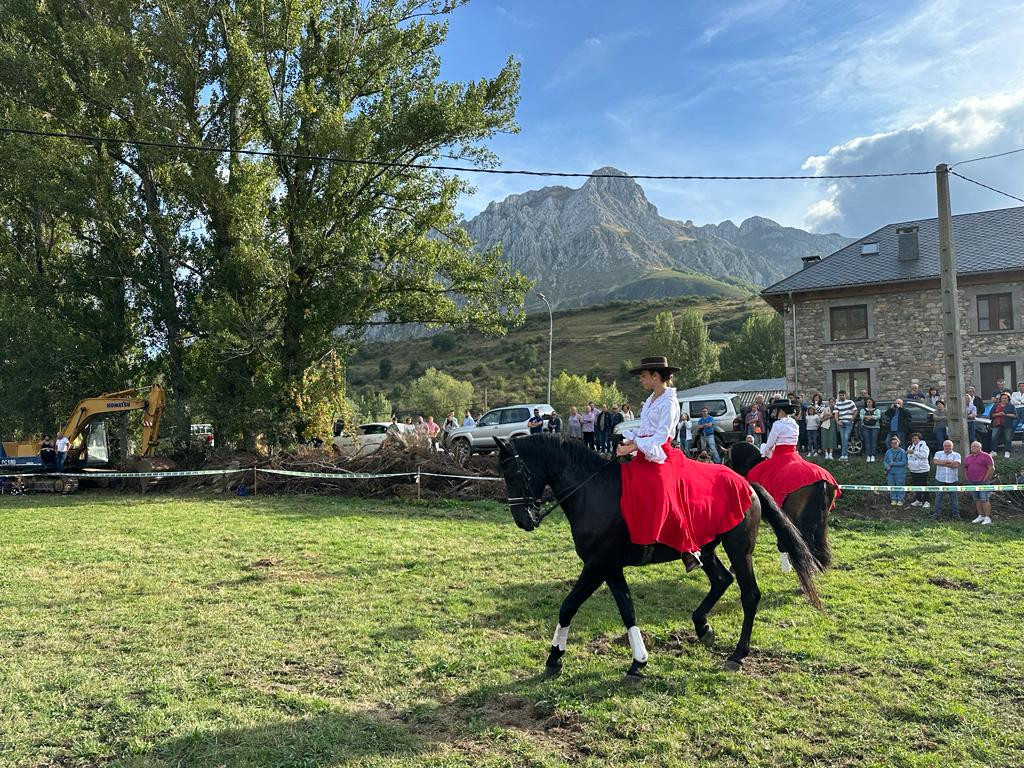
(807, 507)
(588, 489)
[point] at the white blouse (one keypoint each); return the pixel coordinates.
(785, 431)
(658, 420)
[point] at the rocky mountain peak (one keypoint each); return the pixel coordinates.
(605, 240)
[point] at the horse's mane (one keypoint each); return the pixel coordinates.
(743, 457)
(555, 450)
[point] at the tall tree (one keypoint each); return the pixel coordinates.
(757, 350)
(435, 393)
(252, 274)
(686, 343)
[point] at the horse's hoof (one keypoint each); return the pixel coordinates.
(733, 666)
(632, 678)
(708, 638)
(551, 673)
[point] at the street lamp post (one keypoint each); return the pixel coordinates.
(551, 337)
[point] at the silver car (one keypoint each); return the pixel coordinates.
(506, 422)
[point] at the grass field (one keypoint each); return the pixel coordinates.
(317, 631)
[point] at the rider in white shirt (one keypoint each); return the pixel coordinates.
(785, 430)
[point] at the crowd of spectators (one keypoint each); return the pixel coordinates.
(908, 462)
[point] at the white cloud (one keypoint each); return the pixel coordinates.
(972, 127)
(731, 16)
(590, 56)
(894, 68)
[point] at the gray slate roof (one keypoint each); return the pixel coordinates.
(988, 241)
(737, 387)
(745, 390)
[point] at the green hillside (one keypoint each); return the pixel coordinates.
(591, 340)
(671, 282)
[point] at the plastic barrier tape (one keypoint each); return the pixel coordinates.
(182, 473)
(334, 475)
(932, 488)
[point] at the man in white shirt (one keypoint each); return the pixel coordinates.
(947, 472)
(917, 464)
(62, 446)
(1017, 398)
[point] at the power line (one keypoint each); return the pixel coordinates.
(987, 157)
(434, 167)
(986, 186)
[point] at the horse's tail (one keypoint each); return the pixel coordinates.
(792, 543)
(814, 523)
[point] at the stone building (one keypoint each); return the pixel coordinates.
(869, 315)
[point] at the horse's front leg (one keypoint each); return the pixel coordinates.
(590, 579)
(620, 590)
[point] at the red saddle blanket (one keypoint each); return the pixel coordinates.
(786, 471)
(681, 503)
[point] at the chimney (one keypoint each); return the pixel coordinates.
(810, 260)
(909, 250)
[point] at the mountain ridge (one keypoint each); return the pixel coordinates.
(590, 244)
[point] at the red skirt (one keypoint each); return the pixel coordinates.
(786, 471)
(681, 503)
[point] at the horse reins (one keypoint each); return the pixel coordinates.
(530, 500)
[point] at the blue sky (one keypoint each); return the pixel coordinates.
(757, 87)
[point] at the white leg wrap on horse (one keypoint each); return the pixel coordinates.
(636, 642)
(561, 637)
(784, 559)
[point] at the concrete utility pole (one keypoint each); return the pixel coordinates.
(551, 338)
(952, 355)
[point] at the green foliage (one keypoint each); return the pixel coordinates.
(568, 389)
(384, 368)
(435, 393)
(685, 341)
(374, 406)
(757, 350)
(237, 276)
(443, 342)
(526, 357)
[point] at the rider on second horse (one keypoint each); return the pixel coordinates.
(652, 500)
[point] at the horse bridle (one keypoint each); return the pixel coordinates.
(532, 504)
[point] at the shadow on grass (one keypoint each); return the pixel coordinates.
(312, 741)
(464, 724)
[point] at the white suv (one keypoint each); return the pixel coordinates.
(506, 422)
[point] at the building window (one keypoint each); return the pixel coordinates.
(849, 323)
(995, 312)
(851, 381)
(994, 372)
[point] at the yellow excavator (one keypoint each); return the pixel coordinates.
(86, 430)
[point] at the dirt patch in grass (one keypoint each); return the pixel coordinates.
(265, 562)
(946, 583)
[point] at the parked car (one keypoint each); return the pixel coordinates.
(724, 407)
(365, 438)
(1018, 431)
(202, 434)
(506, 422)
(920, 421)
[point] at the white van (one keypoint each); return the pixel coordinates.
(724, 407)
